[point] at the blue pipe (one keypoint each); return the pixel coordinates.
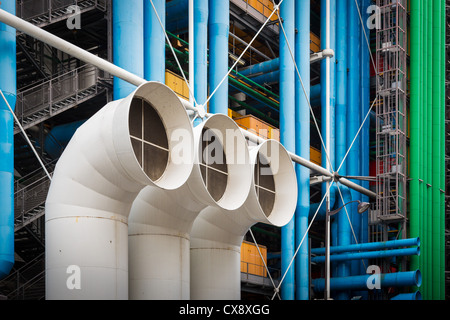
(287, 137)
(269, 77)
(58, 138)
(128, 42)
(154, 41)
(408, 296)
(354, 120)
(263, 67)
(343, 230)
(8, 87)
(365, 105)
(201, 13)
(368, 255)
(302, 144)
(398, 279)
(370, 246)
(218, 24)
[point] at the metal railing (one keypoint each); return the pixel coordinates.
(18, 284)
(51, 97)
(29, 202)
(43, 12)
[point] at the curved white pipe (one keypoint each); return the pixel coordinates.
(217, 234)
(108, 161)
(160, 221)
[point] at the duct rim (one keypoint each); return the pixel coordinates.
(284, 179)
(237, 166)
(166, 113)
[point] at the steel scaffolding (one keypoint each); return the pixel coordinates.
(391, 123)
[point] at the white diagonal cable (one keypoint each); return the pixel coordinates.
(303, 238)
(26, 137)
(243, 52)
(356, 136)
(175, 56)
(365, 35)
(262, 258)
(306, 96)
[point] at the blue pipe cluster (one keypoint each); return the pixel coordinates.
(8, 87)
(398, 279)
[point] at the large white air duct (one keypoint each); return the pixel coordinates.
(160, 221)
(124, 147)
(217, 234)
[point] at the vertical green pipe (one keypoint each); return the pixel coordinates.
(426, 147)
(442, 123)
(421, 130)
(436, 146)
(414, 227)
(430, 148)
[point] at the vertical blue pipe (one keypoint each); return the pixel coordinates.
(354, 109)
(154, 41)
(201, 53)
(343, 225)
(302, 143)
(128, 42)
(287, 136)
(218, 25)
(365, 133)
(8, 87)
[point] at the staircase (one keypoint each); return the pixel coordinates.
(57, 95)
(44, 12)
(26, 283)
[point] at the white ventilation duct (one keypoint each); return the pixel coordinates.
(160, 221)
(124, 147)
(217, 234)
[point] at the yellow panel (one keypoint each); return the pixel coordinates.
(251, 261)
(315, 43)
(255, 125)
(315, 156)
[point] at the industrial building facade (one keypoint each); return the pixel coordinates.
(356, 87)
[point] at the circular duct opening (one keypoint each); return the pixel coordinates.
(275, 182)
(213, 164)
(148, 138)
(264, 184)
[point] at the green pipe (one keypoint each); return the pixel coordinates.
(443, 167)
(436, 149)
(421, 126)
(250, 81)
(415, 96)
(430, 149)
(185, 56)
(242, 87)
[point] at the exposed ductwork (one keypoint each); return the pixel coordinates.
(160, 221)
(127, 145)
(217, 234)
